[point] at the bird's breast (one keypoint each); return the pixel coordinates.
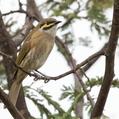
(41, 53)
(41, 46)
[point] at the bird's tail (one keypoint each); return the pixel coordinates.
(16, 86)
(14, 92)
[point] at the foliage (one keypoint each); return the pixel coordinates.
(68, 93)
(59, 111)
(97, 81)
(92, 11)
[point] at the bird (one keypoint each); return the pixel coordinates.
(33, 53)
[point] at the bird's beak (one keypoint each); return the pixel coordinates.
(57, 22)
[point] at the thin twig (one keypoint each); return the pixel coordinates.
(17, 66)
(15, 11)
(85, 74)
(109, 64)
(20, 4)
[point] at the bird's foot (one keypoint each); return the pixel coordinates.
(39, 75)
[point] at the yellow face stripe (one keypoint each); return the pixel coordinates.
(46, 26)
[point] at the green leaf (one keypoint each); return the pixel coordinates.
(42, 109)
(52, 102)
(67, 91)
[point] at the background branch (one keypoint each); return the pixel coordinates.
(8, 47)
(15, 11)
(77, 73)
(32, 14)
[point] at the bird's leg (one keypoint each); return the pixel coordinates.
(42, 76)
(36, 75)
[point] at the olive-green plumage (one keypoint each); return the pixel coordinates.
(34, 52)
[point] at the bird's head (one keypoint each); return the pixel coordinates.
(48, 25)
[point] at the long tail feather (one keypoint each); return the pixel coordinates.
(14, 92)
(16, 86)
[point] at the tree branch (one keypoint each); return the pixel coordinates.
(109, 68)
(77, 73)
(12, 109)
(8, 47)
(78, 66)
(31, 15)
(15, 11)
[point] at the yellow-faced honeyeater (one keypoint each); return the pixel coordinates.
(33, 53)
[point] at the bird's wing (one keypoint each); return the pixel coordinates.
(24, 50)
(37, 38)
